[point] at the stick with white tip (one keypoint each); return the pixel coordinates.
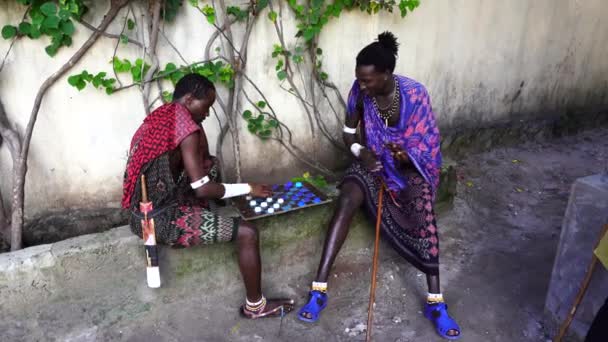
(149, 236)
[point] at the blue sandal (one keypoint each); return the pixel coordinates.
(438, 314)
(316, 304)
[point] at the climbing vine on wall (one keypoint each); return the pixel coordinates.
(223, 62)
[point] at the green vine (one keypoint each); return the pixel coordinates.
(215, 71)
(48, 18)
(262, 124)
(55, 20)
(311, 20)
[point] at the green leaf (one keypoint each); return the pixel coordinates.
(282, 75)
(51, 50)
(170, 67)
(273, 123)
(86, 76)
(9, 31)
(308, 34)
(209, 13)
(124, 39)
(319, 51)
(51, 22)
(237, 12)
(136, 73)
(252, 128)
(247, 114)
(109, 90)
(261, 104)
(37, 17)
(130, 24)
(108, 82)
(272, 15)
(35, 33)
(67, 27)
(48, 8)
(260, 118)
(193, 3)
(73, 80)
(66, 41)
(81, 85)
(25, 28)
(96, 82)
(64, 14)
(297, 59)
(176, 76)
(121, 66)
(323, 76)
(261, 5)
(167, 96)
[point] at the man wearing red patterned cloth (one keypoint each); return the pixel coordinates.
(170, 148)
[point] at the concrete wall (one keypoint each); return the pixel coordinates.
(483, 62)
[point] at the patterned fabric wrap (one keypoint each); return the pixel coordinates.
(416, 133)
(180, 219)
(162, 131)
(408, 222)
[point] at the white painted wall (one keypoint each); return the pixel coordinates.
(473, 56)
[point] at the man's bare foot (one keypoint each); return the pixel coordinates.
(274, 307)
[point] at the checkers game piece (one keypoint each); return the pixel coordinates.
(286, 197)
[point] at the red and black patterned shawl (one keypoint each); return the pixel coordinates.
(161, 131)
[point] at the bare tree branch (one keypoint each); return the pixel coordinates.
(155, 25)
(162, 32)
(109, 35)
(13, 141)
(10, 47)
(290, 71)
(124, 25)
(20, 167)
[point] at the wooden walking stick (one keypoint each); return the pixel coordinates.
(149, 236)
(581, 291)
(372, 290)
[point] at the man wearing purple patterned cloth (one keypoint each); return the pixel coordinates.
(398, 148)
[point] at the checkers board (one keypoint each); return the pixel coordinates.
(285, 198)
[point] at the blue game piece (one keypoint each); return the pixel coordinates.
(317, 200)
(298, 184)
(275, 187)
(301, 204)
(288, 185)
(286, 207)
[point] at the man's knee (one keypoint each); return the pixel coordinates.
(247, 233)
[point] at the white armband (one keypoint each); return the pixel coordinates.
(349, 130)
(199, 183)
(356, 149)
(233, 190)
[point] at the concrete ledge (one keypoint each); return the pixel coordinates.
(97, 281)
(90, 287)
(585, 217)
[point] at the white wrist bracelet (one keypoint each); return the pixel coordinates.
(199, 183)
(349, 130)
(356, 149)
(233, 190)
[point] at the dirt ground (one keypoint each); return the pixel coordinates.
(498, 245)
(497, 249)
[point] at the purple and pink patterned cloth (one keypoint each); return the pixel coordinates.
(416, 133)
